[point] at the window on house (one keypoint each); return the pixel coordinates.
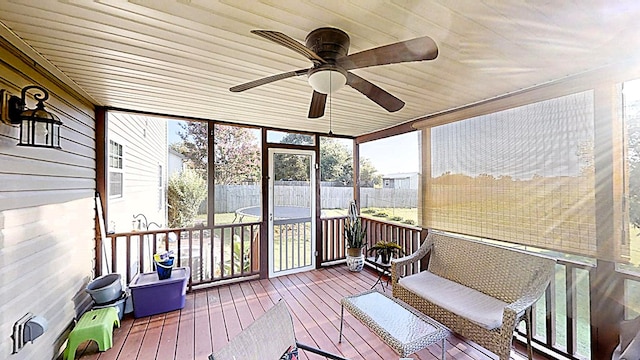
(115, 169)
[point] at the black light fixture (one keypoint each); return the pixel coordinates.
(38, 127)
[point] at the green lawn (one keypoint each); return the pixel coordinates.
(394, 215)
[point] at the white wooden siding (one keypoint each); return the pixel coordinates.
(144, 141)
(47, 232)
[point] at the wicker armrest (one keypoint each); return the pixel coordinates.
(514, 311)
(416, 256)
(519, 306)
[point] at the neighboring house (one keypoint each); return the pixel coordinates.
(137, 179)
(400, 181)
(137, 175)
(176, 162)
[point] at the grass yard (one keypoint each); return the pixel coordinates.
(403, 216)
(632, 288)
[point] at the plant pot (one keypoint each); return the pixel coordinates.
(354, 252)
(355, 259)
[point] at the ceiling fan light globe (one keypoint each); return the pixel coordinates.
(327, 81)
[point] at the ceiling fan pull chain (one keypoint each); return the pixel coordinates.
(330, 102)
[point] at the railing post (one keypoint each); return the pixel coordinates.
(607, 309)
(571, 307)
(550, 318)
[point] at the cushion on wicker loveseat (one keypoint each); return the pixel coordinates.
(471, 304)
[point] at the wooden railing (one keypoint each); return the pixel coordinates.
(220, 253)
(561, 317)
(333, 241)
(408, 237)
(233, 250)
(334, 244)
(292, 244)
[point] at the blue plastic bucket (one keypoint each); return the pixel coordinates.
(164, 268)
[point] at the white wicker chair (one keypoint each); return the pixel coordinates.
(267, 338)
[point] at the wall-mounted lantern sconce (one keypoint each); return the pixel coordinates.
(38, 127)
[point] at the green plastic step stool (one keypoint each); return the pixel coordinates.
(94, 325)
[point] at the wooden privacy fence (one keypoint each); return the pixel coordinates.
(229, 198)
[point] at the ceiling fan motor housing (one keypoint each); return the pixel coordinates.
(329, 43)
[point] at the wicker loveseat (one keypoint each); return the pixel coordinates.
(478, 290)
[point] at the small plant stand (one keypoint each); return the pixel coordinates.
(382, 269)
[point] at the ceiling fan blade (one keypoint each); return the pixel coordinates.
(290, 43)
(266, 80)
(418, 49)
(318, 101)
(375, 93)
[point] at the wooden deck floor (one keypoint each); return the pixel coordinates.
(212, 316)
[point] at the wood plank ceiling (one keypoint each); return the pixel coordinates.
(181, 57)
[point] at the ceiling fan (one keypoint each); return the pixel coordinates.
(327, 49)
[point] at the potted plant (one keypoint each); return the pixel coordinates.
(386, 250)
(354, 233)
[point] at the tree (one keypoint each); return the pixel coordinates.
(237, 155)
(194, 145)
(336, 163)
(236, 152)
(186, 192)
(369, 176)
(291, 167)
(633, 158)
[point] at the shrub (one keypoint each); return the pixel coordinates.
(409, 222)
(186, 192)
(381, 214)
(241, 260)
(396, 218)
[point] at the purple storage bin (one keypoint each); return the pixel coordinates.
(152, 296)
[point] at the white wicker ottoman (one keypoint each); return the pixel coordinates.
(403, 328)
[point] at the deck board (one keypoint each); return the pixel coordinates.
(213, 316)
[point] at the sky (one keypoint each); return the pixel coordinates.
(174, 127)
(397, 154)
